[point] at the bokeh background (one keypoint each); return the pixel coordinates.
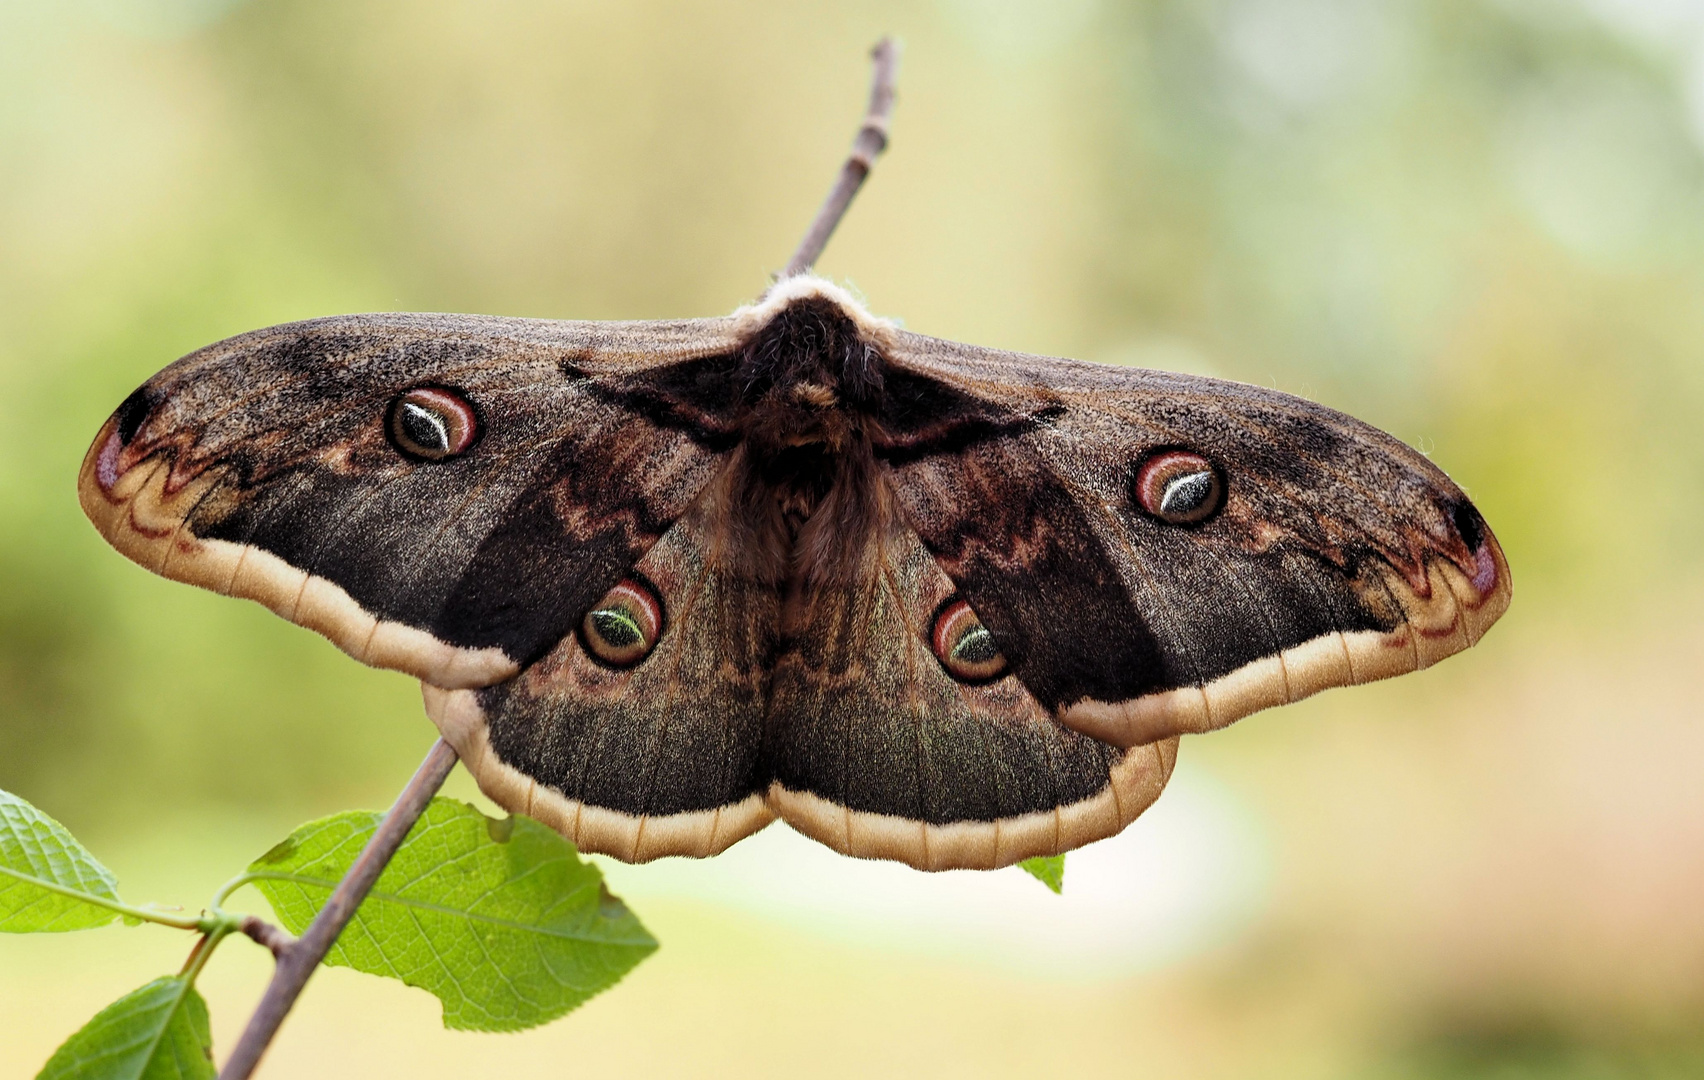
(1478, 224)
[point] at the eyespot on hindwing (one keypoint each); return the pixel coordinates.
(623, 627)
(964, 646)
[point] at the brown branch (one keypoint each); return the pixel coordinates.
(297, 960)
(273, 937)
(871, 140)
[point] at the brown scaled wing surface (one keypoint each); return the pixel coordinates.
(1340, 555)
(260, 467)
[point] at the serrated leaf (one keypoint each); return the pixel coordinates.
(43, 873)
(500, 919)
(1047, 869)
(159, 1032)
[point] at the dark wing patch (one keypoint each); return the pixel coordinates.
(923, 416)
(1023, 550)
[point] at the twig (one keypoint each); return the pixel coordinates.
(263, 932)
(871, 140)
(297, 960)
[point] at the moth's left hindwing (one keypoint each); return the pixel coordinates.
(443, 495)
(663, 757)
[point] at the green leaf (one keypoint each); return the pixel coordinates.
(159, 1032)
(501, 920)
(48, 881)
(1047, 869)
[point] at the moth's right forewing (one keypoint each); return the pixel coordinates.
(1336, 555)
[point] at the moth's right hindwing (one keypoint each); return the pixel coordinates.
(878, 751)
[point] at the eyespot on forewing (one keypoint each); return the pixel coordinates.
(1179, 487)
(431, 423)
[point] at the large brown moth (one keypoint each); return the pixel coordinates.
(664, 582)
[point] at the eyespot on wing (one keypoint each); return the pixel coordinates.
(432, 423)
(621, 629)
(964, 646)
(1178, 487)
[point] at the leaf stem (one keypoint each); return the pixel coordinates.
(230, 887)
(870, 141)
(297, 960)
(204, 947)
(181, 922)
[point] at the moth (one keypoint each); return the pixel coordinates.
(665, 582)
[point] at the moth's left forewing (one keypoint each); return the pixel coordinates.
(263, 467)
(1337, 554)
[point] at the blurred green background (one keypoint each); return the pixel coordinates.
(1478, 224)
